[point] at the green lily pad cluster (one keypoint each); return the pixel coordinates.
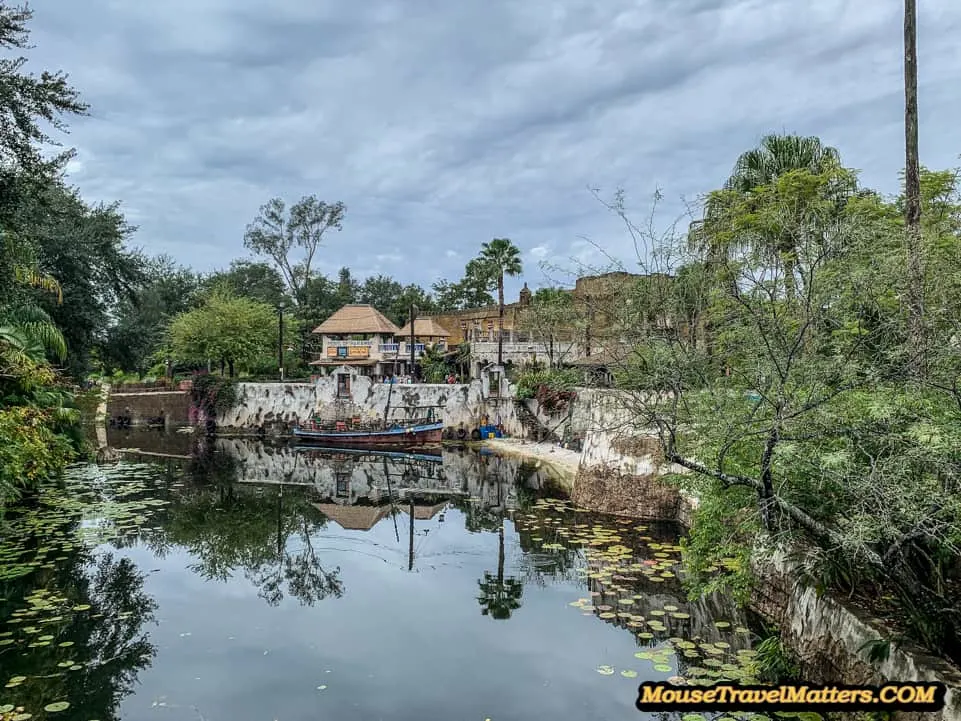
(89, 507)
(634, 581)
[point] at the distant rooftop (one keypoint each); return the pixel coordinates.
(357, 318)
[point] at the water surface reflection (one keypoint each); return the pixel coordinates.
(235, 580)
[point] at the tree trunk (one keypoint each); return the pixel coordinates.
(790, 283)
(500, 556)
(500, 319)
(230, 367)
(222, 364)
(912, 195)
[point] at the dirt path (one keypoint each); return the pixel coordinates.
(561, 460)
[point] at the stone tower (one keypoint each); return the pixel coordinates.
(525, 298)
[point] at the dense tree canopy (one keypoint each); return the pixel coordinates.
(226, 328)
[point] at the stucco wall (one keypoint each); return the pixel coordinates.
(457, 405)
(620, 465)
(828, 637)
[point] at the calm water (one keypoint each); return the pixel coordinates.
(241, 582)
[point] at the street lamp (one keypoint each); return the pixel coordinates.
(280, 345)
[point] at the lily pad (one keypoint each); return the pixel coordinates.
(57, 706)
(627, 673)
(663, 668)
(605, 670)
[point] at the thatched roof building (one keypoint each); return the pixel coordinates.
(357, 318)
(424, 328)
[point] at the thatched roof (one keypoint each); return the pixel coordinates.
(356, 318)
(425, 513)
(424, 328)
(601, 357)
(353, 518)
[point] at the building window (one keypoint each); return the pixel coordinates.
(343, 485)
(343, 385)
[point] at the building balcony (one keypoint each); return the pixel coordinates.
(517, 351)
(402, 350)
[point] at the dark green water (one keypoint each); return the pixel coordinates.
(244, 583)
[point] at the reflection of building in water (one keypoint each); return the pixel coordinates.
(353, 518)
(349, 478)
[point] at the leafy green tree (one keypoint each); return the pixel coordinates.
(347, 286)
(291, 239)
(433, 364)
(27, 104)
(84, 247)
(251, 279)
(775, 156)
(473, 290)
(380, 291)
(811, 437)
(142, 319)
(498, 258)
(226, 328)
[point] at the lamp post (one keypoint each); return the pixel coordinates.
(413, 316)
(280, 345)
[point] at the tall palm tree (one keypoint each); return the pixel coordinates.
(501, 257)
(775, 156)
(499, 596)
(912, 191)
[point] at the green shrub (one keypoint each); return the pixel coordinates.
(213, 394)
(32, 450)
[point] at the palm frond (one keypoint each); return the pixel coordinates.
(27, 275)
(49, 337)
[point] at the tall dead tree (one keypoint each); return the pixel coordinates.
(912, 196)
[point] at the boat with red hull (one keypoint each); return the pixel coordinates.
(396, 436)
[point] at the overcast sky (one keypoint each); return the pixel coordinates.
(444, 123)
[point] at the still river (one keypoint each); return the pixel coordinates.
(232, 581)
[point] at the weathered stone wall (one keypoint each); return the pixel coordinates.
(828, 637)
(620, 462)
(143, 405)
(457, 405)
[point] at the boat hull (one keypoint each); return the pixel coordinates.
(404, 437)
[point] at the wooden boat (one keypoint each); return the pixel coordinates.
(369, 454)
(397, 436)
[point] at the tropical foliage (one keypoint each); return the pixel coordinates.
(784, 395)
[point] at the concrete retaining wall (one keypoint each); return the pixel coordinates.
(828, 637)
(457, 405)
(148, 404)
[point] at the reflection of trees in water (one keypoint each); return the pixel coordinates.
(229, 528)
(105, 644)
(306, 579)
(499, 596)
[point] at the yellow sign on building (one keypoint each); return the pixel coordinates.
(358, 351)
